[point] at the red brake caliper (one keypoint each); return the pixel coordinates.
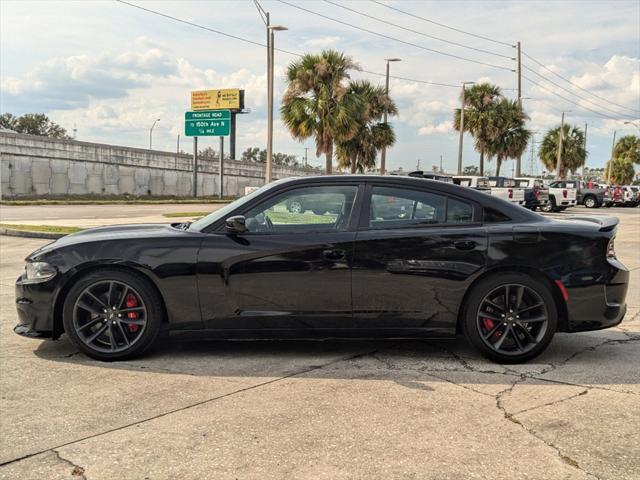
(489, 324)
(131, 301)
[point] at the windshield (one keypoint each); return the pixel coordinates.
(199, 225)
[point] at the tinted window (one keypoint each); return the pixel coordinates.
(395, 207)
(304, 210)
(459, 212)
(494, 216)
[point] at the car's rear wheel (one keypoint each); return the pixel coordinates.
(510, 318)
(550, 206)
(112, 315)
(590, 202)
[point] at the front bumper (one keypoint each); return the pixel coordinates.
(594, 307)
(35, 305)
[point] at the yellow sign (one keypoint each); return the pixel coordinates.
(216, 99)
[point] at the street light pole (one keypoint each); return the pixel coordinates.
(585, 150)
(383, 152)
(461, 139)
(269, 165)
(559, 154)
(151, 133)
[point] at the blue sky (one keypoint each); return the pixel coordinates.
(110, 69)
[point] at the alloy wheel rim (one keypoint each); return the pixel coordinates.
(512, 319)
(296, 207)
(109, 316)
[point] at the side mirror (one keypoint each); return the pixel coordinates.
(236, 225)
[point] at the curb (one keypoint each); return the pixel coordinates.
(24, 234)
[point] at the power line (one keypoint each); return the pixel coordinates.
(418, 32)
(577, 86)
(568, 99)
(575, 94)
(296, 54)
(388, 37)
(442, 24)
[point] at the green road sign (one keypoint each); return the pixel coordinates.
(207, 123)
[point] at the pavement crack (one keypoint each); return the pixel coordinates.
(512, 418)
(77, 470)
(192, 405)
(555, 402)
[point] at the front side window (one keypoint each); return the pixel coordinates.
(400, 208)
(304, 210)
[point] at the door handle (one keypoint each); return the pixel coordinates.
(333, 254)
(465, 244)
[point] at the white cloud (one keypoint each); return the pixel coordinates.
(321, 42)
(440, 128)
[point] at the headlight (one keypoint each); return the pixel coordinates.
(38, 272)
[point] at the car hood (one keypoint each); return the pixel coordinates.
(113, 232)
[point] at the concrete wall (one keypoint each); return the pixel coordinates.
(36, 166)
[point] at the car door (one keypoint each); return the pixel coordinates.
(292, 267)
(415, 254)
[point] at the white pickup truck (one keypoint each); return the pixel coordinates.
(505, 188)
(473, 181)
(562, 195)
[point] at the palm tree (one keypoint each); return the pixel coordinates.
(628, 147)
(359, 152)
(316, 103)
(573, 152)
(622, 171)
(479, 114)
(508, 136)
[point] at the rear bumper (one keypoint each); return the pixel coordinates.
(566, 203)
(594, 307)
(34, 305)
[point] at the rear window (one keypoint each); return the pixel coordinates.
(491, 215)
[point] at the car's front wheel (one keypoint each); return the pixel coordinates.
(510, 318)
(112, 315)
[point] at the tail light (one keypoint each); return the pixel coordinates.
(510, 193)
(611, 251)
(565, 193)
(536, 192)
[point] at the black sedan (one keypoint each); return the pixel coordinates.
(401, 258)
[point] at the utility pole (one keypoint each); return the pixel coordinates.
(269, 166)
(585, 149)
(232, 137)
(559, 155)
(533, 156)
(613, 147)
(519, 159)
(221, 167)
(461, 139)
(305, 156)
(195, 166)
(441, 171)
(383, 152)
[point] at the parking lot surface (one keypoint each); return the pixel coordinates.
(355, 409)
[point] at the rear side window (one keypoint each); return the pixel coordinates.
(400, 208)
(494, 216)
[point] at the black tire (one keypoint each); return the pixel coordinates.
(591, 202)
(318, 211)
(550, 205)
(133, 343)
(473, 315)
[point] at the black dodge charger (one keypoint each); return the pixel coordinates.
(400, 258)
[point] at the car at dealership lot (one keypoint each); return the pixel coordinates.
(452, 260)
(562, 195)
(473, 181)
(589, 194)
(505, 188)
(536, 195)
(631, 195)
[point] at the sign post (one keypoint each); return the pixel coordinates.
(221, 167)
(195, 166)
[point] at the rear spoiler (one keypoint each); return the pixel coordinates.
(607, 224)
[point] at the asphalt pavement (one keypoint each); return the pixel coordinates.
(202, 409)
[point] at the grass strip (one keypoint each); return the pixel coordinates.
(41, 228)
